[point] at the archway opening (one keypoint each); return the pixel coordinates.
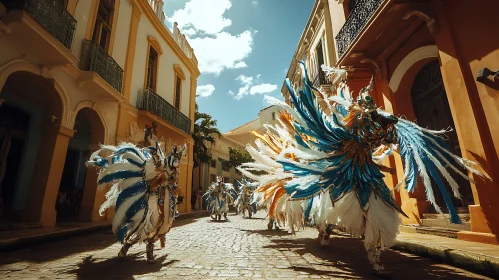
(30, 109)
(431, 108)
(77, 190)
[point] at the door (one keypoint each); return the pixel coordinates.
(432, 111)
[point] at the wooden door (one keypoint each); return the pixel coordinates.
(432, 111)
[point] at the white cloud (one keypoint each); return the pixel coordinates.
(231, 92)
(203, 15)
(205, 90)
(254, 3)
(241, 64)
(203, 22)
(262, 88)
(248, 87)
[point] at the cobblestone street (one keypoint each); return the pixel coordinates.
(202, 249)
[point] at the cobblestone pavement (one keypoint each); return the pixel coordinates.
(202, 249)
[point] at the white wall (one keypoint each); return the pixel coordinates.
(81, 15)
(122, 31)
(166, 74)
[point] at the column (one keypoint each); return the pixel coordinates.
(190, 164)
(92, 197)
(472, 130)
(130, 52)
(47, 176)
(413, 204)
(329, 47)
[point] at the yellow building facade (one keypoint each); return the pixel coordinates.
(76, 74)
(207, 172)
(315, 48)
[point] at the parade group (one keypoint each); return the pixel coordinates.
(320, 166)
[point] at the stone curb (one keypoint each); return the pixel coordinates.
(476, 263)
(28, 241)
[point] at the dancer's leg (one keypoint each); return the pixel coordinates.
(150, 251)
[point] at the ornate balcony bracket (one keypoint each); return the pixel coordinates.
(374, 63)
(430, 22)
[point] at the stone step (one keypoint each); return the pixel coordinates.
(445, 232)
(465, 217)
(439, 223)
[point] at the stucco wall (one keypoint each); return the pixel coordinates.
(166, 75)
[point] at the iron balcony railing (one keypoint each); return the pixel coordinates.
(320, 79)
(354, 24)
(51, 14)
(150, 101)
(95, 59)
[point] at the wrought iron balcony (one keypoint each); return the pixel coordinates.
(96, 59)
(354, 24)
(320, 79)
(150, 101)
(50, 14)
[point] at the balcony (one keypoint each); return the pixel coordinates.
(52, 15)
(355, 23)
(320, 79)
(375, 29)
(95, 59)
(150, 101)
(184, 44)
(41, 27)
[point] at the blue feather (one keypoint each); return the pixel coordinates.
(120, 175)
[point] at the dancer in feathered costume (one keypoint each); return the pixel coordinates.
(219, 197)
(143, 189)
(244, 201)
(330, 164)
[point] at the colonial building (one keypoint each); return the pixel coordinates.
(218, 166)
(315, 48)
(430, 66)
(242, 134)
(76, 74)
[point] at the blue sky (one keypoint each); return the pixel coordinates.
(243, 47)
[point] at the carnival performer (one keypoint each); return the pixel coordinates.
(335, 159)
(143, 189)
(219, 197)
(244, 201)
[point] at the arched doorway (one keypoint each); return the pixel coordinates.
(30, 114)
(77, 191)
(14, 125)
(432, 111)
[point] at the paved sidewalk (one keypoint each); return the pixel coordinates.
(477, 257)
(18, 238)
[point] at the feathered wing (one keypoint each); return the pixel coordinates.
(424, 152)
(127, 169)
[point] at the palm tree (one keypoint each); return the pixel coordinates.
(204, 134)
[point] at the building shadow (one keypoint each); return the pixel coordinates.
(115, 268)
(72, 245)
(346, 258)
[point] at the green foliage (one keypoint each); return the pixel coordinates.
(204, 136)
(238, 156)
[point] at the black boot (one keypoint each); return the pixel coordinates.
(124, 250)
(150, 252)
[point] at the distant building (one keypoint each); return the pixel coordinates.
(76, 74)
(242, 134)
(218, 165)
